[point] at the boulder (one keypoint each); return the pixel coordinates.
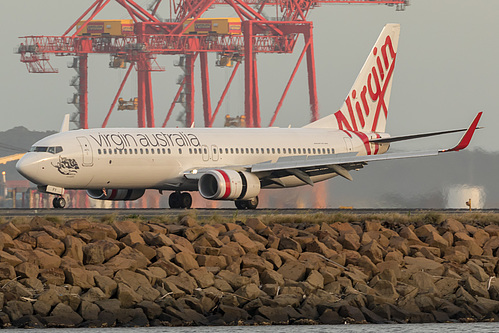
(74, 248)
(275, 315)
(151, 309)
(10, 229)
(133, 238)
(106, 284)
(63, 316)
(7, 271)
(203, 277)
(127, 296)
(10, 259)
(45, 241)
(80, 277)
(293, 270)
(138, 283)
(246, 243)
(252, 260)
(475, 287)
(128, 258)
(55, 276)
(249, 292)
(89, 311)
(212, 261)
(18, 309)
(233, 315)
(184, 282)
(350, 241)
(186, 260)
(124, 228)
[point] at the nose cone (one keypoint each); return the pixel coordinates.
(29, 167)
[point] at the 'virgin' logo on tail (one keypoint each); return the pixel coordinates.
(367, 105)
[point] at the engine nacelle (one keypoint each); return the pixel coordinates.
(116, 194)
(228, 185)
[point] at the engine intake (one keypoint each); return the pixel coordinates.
(116, 194)
(228, 185)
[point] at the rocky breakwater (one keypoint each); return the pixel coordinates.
(87, 274)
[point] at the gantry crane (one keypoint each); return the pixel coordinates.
(145, 37)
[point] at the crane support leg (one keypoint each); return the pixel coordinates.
(189, 89)
(83, 107)
(205, 85)
(312, 83)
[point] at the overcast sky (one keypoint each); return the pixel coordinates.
(447, 69)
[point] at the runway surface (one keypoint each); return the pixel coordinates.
(152, 212)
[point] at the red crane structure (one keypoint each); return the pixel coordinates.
(185, 34)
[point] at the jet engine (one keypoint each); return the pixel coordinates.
(116, 194)
(229, 185)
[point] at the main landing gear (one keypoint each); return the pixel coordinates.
(247, 204)
(59, 202)
(180, 200)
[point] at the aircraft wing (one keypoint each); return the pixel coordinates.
(303, 167)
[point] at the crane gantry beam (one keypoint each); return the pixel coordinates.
(152, 37)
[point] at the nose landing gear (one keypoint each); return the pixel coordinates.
(180, 200)
(59, 202)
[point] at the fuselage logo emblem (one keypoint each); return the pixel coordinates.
(66, 166)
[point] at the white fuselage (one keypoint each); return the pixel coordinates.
(157, 158)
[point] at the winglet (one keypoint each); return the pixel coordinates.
(465, 140)
(65, 123)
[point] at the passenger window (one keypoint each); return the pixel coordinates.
(226, 150)
(273, 150)
(135, 151)
(205, 150)
(126, 151)
(299, 150)
(104, 151)
(237, 150)
(257, 150)
(221, 150)
(214, 150)
(232, 150)
(251, 150)
(268, 150)
(309, 152)
(294, 150)
(98, 151)
(121, 151)
(152, 150)
(163, 150)
(169, 151)
(141, 151)
(247, 151)
(190, 150)
(110, 151)
(180, 150)
(313, 150)
(242, 150)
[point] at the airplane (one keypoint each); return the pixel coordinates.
(229, 163)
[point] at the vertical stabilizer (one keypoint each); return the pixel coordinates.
(65, 124)
(366, 106)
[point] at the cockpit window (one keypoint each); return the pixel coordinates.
(44, 149)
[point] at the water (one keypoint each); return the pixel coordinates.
(367, 328)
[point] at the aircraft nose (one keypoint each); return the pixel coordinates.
(29, 168)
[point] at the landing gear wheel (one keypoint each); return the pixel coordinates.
(240, 204)
(185, 200)
(174, 200)
(252, 203)
(247, 204)
(59, 202)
